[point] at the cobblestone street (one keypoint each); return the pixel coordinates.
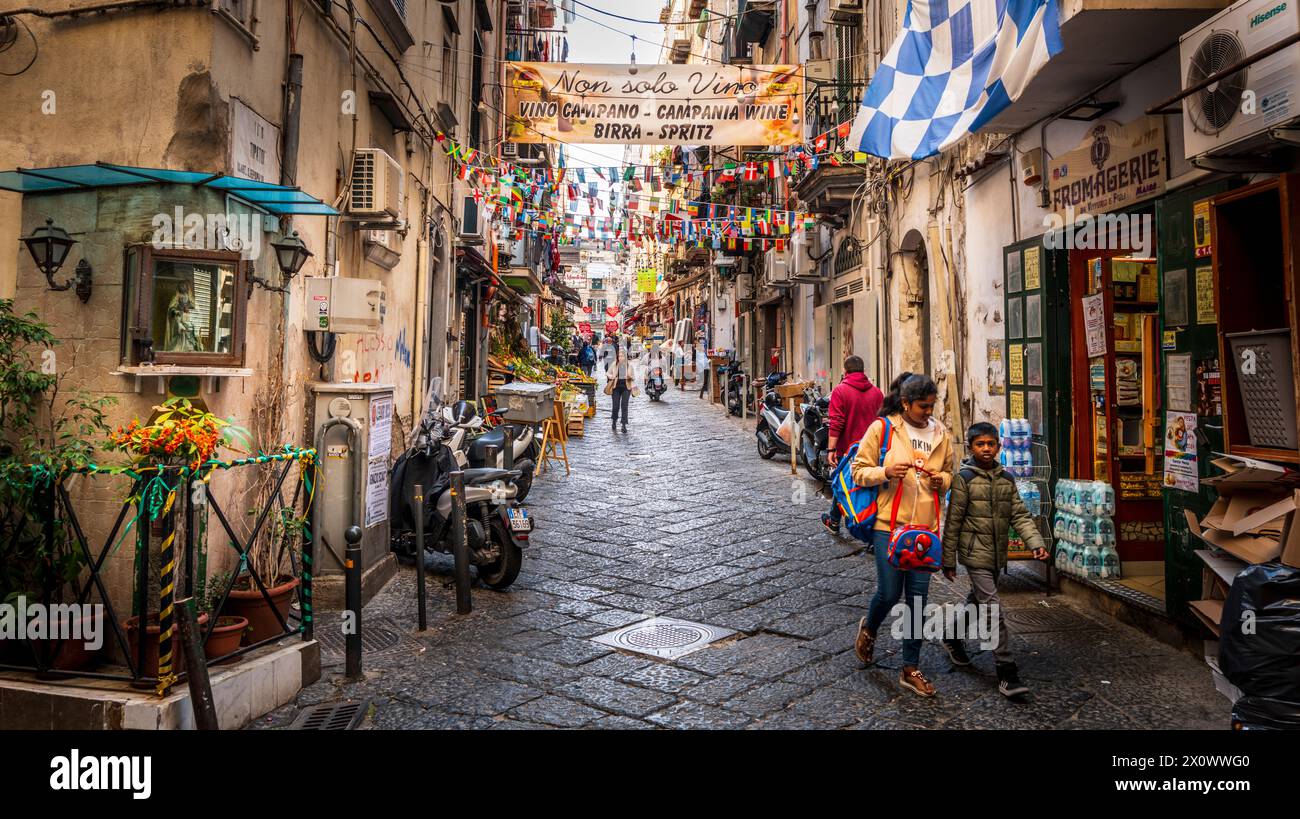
(681, 518)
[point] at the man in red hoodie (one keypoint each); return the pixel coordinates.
(855, 403)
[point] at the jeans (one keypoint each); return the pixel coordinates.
(836, 514)
(890, 585)
(621, 396)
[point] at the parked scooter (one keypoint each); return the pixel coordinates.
(814, 434)
(770, 417)
(733, 386)
(655, 383)
(496, 524)
(471, 446)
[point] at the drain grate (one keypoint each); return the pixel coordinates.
(1039, 619)
(331, 716)
(373, 639)
(663, 637)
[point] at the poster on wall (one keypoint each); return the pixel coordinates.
(1016, 367)
(674, 104)
(1180, 452)
(997, 367)
(1178, 382)
(1205, 296)
(1201, 227)
(1017, 409)
(1176, 298)
(647, 280)
(1033, 272)
(1094, 324)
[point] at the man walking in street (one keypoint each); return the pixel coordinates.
(855, 403)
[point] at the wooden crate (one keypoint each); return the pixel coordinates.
(576, 420)
(791, 390)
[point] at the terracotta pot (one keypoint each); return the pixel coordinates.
(250, 605)
(151, 644)
(225, 637)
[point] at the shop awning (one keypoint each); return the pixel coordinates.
(567, 293)
(522, 279)
(275, 199)
(685, 283)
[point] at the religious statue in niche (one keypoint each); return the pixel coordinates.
(181, 335)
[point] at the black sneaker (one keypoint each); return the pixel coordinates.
(1009, 684)
(625, 429)
(957, 652)
(832, 525)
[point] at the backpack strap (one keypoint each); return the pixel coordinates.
(967, 473)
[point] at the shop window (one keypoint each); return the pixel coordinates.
(186, 307)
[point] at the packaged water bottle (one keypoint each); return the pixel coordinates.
(1109, 561)
(1031, 497)
(1106, 533)
(1060, 524)
(1077, 559)
(1092, 561)
(1088, 531)
(1062, 557)
(1005, 427)
(1073, 532)
(1106, 499)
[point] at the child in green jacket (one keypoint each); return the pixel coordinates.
(984, 507)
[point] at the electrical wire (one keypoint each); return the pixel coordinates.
(36, 50)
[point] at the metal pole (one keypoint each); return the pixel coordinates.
(142, 590)
(460, 546)
(508, 453)
(196, 666)
(352, 601)
(794, 435)
(419, 557)
(309, 536)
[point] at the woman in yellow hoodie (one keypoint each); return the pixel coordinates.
(917, 465)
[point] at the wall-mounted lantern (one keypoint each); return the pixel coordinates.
(49, 246)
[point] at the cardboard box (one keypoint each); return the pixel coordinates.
(1209, 612)
(1249, 546)
(1249, 474)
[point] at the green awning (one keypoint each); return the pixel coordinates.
(275, 199)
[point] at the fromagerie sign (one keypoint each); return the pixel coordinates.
(654, 104)
(1114, 166)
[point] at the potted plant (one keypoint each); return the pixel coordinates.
(182, 433)
(229, 630)
(284, 535)
(45, 434)
(151, 646)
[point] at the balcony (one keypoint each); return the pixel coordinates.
(1100, 40)
(679, 44)
(696, 6)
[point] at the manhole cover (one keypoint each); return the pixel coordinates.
(373, 639)
(663, 637)
(331, 716)
(1043, 619)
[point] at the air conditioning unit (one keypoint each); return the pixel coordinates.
(1235, 114)
(377, 184)
(845, 12)
(473, 227)
(338, 304)
(745, 287)
(802, 268)
(778, 268)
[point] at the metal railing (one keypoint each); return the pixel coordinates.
(167, 502)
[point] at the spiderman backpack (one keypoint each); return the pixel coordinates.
(858, 503)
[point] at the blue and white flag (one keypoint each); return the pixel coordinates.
(955, 65)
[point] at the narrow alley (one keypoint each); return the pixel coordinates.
(680, 518)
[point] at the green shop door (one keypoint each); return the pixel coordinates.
(1036, 349)
(1191, 370)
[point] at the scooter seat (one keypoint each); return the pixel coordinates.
(780, 412)
(477, 452)
(488, 475)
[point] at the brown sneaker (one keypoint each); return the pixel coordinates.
(913, 678)
(865, 645)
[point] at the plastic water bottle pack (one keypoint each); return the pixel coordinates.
(1084, 525)
(1017, 439)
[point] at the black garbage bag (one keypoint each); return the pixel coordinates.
(1266, 713)
(1259, 651)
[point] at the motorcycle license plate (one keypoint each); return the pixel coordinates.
(519, 520)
